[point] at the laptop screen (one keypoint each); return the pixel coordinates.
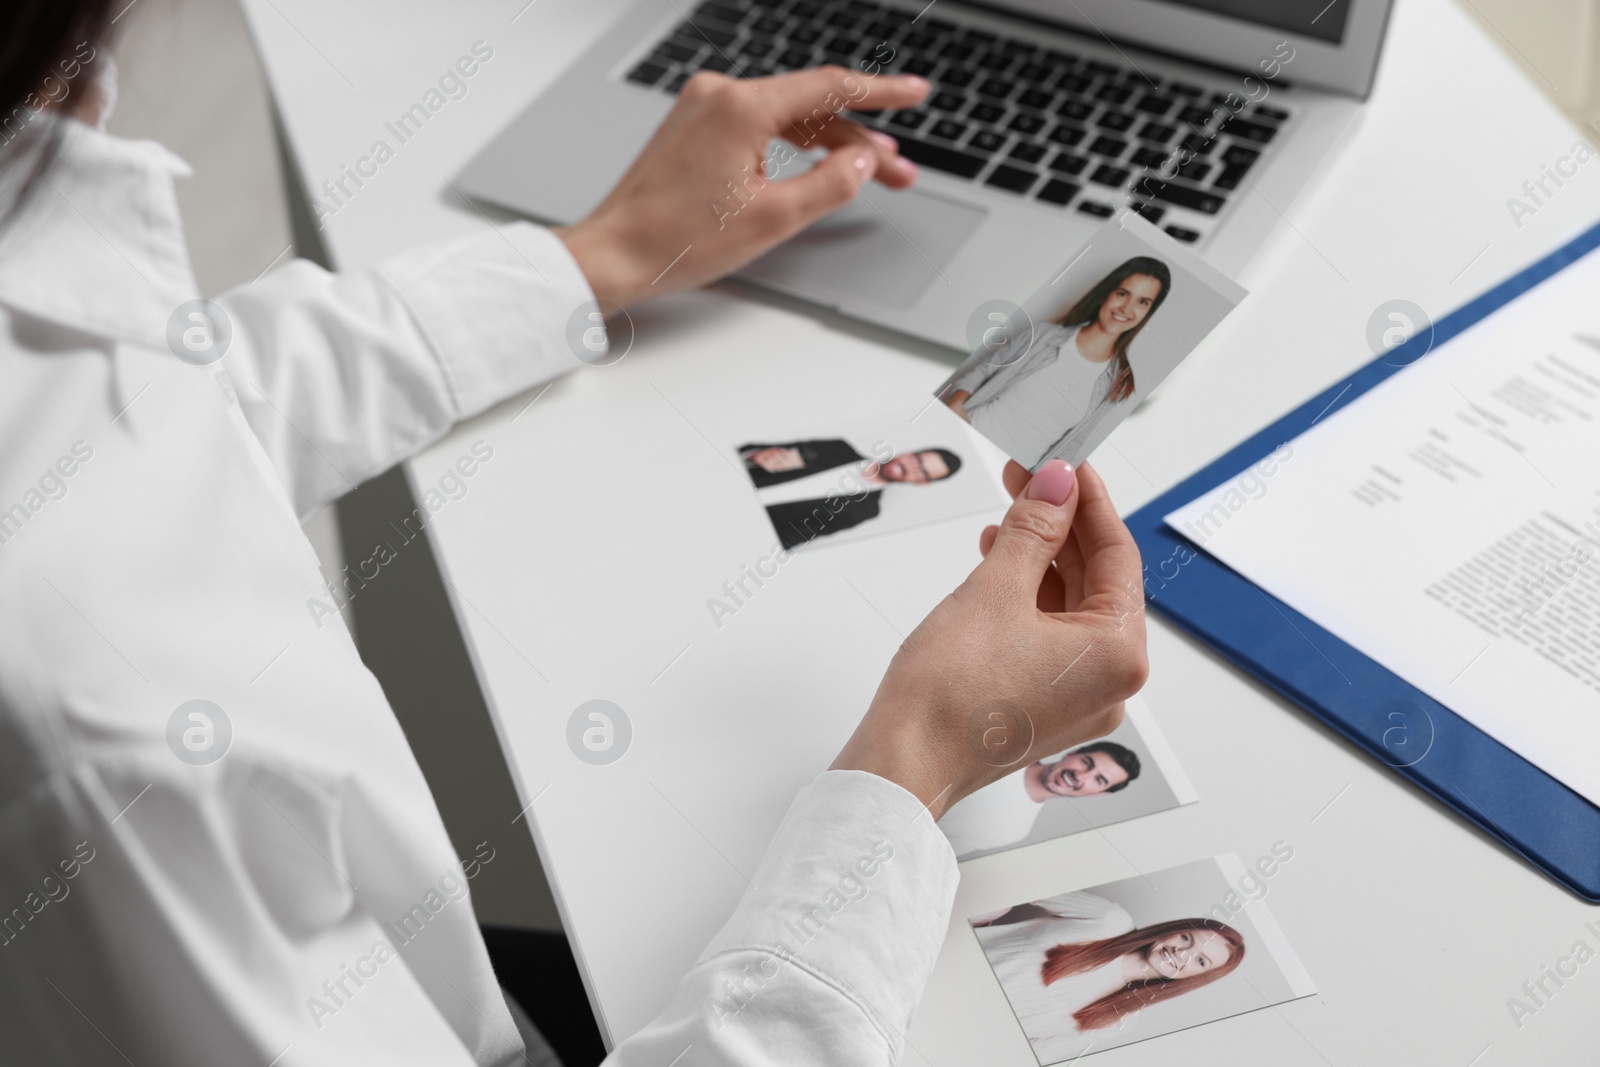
(1322, 19)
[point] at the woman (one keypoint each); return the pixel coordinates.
(1022, 395)
(1074, 965)
(216, 845)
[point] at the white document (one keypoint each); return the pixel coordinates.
(1447, 524)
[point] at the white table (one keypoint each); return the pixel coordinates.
(584, 555)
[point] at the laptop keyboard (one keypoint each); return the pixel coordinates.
(1067, 130)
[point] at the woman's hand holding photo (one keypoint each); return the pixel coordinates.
(1034, 653)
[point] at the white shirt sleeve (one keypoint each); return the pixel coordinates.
(343, 375)
(825, 958)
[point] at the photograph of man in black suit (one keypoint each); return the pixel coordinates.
(856, 497)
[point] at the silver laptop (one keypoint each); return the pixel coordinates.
(1046, 116)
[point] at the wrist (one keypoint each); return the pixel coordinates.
(610, 274)
(908, 761)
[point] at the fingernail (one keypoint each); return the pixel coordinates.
(885, 140)
(908, 167)
(914, 81)
(1052, 483)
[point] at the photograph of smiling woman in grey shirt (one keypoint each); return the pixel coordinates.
(1043, 393)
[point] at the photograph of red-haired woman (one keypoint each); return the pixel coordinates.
(1094, 969)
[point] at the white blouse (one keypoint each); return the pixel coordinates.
(1016, 951)
(296, 901)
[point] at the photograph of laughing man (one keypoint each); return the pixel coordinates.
(1003, 813)
(819, 487)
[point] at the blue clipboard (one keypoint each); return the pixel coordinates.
(1546, 823)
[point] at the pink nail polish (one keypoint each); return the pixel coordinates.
(1052, 483)
(884, 139)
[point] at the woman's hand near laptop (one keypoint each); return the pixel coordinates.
(696, 204)
(1034, 653)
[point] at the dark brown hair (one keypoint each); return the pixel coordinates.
(36, 38)
(1087, 310)
(1063, 960)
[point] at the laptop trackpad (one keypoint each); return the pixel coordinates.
(884, 248)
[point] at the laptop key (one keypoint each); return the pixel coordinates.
(1109, 147)
(1073, 82)
(675, 83)
(995, 61)
(1183, 234)
(1027, 152)
(1038, 99)
(1238, 153)
(961, 164)
(717, 62)
(1100, 66)
(721, 36)
(676, 50)
(998, 88)
(1026, 123)
(805, 35)
(987, 141)
(1056, 191)
(1075, 109)
(1093, 207)
(1013, 179)
(1150, 212)
(647, 73)
(1258, 132)
(1194, 170)
(1145, 156)
(758, 46)
(909, 120)
(957, 51)
(1271, 113)
(1115, 121)
(1067, 135)
(987, 113)
(1231, 176)
(1155, 105)
(732, 16)
(1180, 195)
(951, 102)
(1034, 72)
(1109, 175)
(919, 66)
(767, 24)
(1198, 145)
(1184, 89)
(1159, 132)
(794, 59)
(948, 130)
(1067, 163)
(955, 77)
(1113, 94)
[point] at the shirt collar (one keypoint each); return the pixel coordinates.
(98, 246)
